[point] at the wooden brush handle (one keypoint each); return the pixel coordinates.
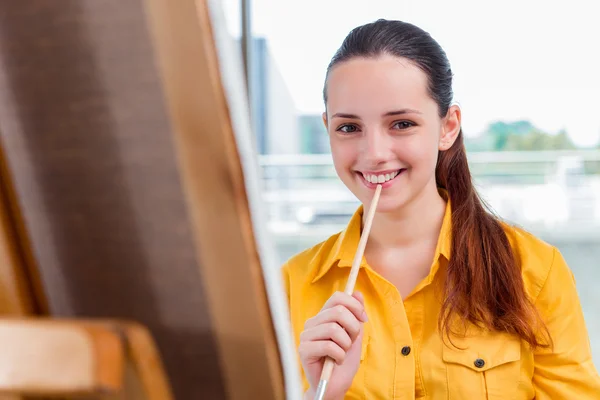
(358, 256)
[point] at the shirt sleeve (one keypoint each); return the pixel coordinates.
(287, 285)
(285, 276)
(565, 370)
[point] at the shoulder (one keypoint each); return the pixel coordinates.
(537, 259)
(306, 264)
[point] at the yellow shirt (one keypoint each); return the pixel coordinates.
(493, 365)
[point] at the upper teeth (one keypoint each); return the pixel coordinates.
(381, 178)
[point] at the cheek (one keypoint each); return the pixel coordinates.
(343, 155)
(342, 160)
(419, 151)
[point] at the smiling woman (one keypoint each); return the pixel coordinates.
(451, 301)
(382, 123)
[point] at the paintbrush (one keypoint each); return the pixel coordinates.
(358, 256)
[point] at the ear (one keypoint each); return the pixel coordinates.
(450, 128)
(325, 119)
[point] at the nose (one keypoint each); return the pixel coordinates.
(376, 147)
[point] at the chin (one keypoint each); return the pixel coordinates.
(391, 204)
(389, 200)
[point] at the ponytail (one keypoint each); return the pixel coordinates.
(484, 284)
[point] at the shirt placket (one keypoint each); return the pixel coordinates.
(404, 369)
(415, 308)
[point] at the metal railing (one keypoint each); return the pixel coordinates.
(549, 192)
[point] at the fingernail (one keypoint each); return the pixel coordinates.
(364, 316)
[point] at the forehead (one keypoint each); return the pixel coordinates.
(373, 85)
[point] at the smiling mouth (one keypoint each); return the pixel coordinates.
(381, 178)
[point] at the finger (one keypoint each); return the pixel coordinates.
(359, 296)
(311, 351)
(338, 314)
(350, 302)
(328, 331)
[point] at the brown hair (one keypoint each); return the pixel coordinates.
(484, 284)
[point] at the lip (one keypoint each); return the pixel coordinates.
(383, 185)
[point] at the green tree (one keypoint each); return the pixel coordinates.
(518, 136)
(538, 140)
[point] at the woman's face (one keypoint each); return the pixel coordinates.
(384, 128)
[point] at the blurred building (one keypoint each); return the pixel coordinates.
(313, 135)
(273, 110)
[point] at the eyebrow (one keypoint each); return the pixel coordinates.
(387, 114)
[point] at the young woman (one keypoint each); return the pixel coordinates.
(450, 301)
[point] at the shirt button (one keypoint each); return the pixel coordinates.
(405, 350)
(479, 363)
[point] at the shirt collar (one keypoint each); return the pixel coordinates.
(344, 248)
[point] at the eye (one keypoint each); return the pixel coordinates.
(403, 124)
(347, 128)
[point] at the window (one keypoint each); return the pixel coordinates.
(526, 77)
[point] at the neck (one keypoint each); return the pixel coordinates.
(418, 221)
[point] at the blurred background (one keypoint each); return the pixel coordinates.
(526, 77)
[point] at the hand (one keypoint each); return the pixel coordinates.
(336, 332)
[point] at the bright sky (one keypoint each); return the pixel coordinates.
(535, 60)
